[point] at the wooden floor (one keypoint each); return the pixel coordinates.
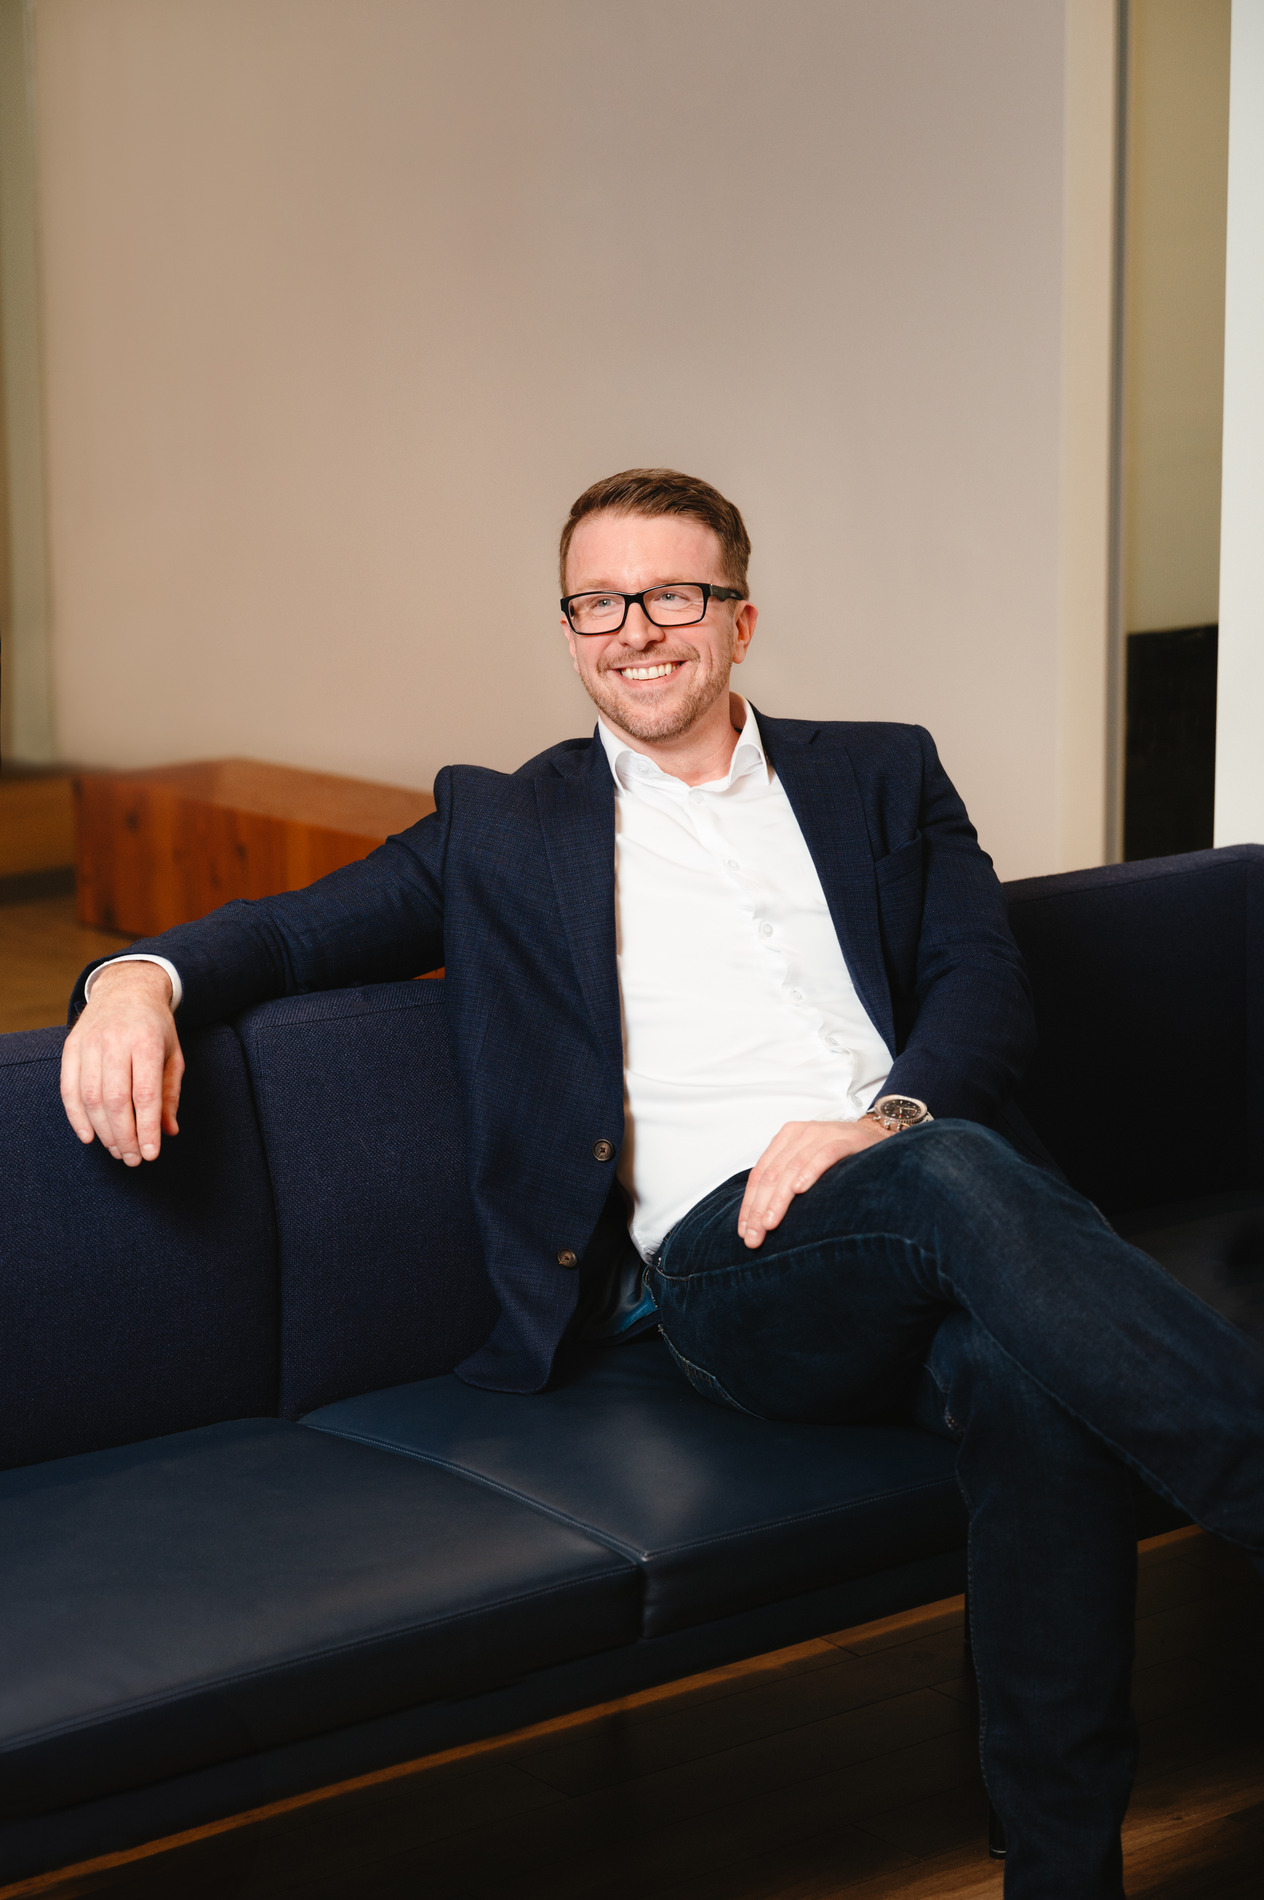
(42, 950)
(844, 1766)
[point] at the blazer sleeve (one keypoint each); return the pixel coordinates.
(969, 1025)
(375, 921)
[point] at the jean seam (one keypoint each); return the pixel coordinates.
(972, 1625)
(757, 1255)
(688, 1366)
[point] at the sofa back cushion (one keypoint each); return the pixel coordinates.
(133, 1302)
(382, 1279)
(1148, 1078)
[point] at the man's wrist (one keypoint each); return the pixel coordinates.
(153, 975)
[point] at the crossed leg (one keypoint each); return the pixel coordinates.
(1062, 1355)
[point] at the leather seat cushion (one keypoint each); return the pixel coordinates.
(721, 1511)
(167, 1605)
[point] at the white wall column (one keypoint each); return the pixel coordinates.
(1240, 695)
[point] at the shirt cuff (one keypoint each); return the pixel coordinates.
(141, 956)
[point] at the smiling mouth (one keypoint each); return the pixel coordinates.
(660, 671)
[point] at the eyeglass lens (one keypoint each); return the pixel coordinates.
(673, 606)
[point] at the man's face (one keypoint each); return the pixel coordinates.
(654, 683)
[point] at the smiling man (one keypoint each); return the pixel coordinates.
(760, 968)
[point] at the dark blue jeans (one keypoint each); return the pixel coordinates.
(1057, 1356)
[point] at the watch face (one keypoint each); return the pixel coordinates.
(901, 1108)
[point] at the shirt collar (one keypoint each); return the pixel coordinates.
(634, 769)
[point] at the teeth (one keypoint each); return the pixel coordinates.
(649, 672)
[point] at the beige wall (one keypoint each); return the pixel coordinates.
(26, 712)
(346, 299)
(1178, 156)
(1240, 681)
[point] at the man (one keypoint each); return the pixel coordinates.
(762, 967)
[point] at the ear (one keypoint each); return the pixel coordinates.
(743, 630)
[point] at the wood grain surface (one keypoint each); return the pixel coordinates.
(164, 846)
(37, 822)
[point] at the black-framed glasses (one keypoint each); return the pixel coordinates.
(674, 604)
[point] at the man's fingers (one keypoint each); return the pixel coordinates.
(116, 1094)
(72, 1101)
(792, 1163)
(761, 1174)
(795, 1173)
(771, 1185)
(92, 1095)
(172, 1076)
(148, 1084)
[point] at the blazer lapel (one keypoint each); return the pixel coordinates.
(576, 806)
(825, 798)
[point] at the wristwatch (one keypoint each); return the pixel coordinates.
(894, 1112)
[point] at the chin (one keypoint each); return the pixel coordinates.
(656, 723)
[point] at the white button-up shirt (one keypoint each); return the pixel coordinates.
(739, 1012)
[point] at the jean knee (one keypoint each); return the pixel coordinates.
(974, 1374)
(961, 1154)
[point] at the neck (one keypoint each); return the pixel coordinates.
(700, 755)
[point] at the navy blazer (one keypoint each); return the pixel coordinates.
(509, 883)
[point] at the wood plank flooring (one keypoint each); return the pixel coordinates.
(844, 1766)
(42, 950)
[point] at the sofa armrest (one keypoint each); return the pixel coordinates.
(1149, 993)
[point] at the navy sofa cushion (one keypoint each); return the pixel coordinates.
(1214, 1246)
(132, 1301)
(1148, 982)
(204, 1596)
(722, 1512)
(381, 1269)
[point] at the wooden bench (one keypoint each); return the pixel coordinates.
(160, 847)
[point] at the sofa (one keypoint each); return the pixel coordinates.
(256, 1538)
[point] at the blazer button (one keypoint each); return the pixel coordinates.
(567, 1259)
(603, 1150)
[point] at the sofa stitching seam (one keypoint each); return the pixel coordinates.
(607, 1537)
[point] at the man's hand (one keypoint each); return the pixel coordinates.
(121, 1067)
(792, 1161)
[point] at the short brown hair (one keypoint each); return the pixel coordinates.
(664, 491)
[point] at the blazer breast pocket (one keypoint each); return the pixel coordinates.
(904, 861)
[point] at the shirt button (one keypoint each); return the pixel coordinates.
(733, 864)
(567, 1259)
(765, 930)
(643, 766)
(796, 996)
(695, 798)
(603, 1150)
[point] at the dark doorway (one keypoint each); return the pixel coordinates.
(1170, 754)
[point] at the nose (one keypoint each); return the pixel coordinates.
(638, 629)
